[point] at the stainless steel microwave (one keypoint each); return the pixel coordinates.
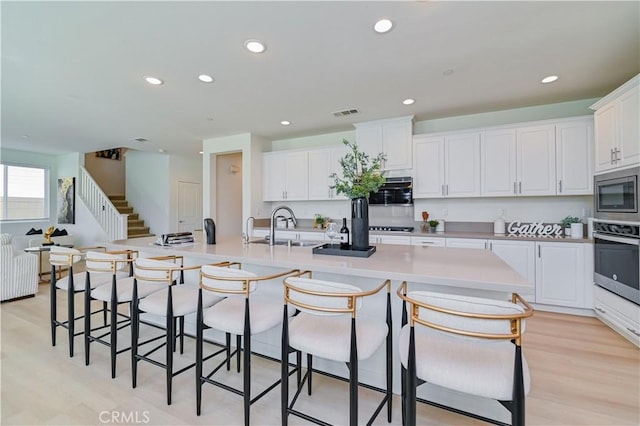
(616, 195)
(396, 191)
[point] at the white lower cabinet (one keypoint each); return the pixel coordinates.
(282, 234)
(428, 241)
(402, 240)
(618, 313)
(560, 274)
(520, 255)
(466, 243)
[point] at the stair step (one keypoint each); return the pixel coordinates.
(116, 197)
(136, 230)
(120, 203)
(133, 216)
(141, 235)
(125, 209)
(136, 223)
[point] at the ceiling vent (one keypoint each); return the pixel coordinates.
(350, 111)
(141, 139)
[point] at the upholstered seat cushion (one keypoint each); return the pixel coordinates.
(124, 289)
(330, 336)
(184, 297)
(228, 315)
(80, 280)
(474, 366)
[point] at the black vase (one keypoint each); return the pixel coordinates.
(360, 224)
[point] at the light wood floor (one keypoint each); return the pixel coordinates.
(582, 372)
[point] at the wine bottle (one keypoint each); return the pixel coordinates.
(344, 235)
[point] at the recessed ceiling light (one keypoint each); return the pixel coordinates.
(383, 26)
(161, 150)
(255, 46)
(205, 78)
(154, 80)
(408, 101)
(549, 79)
(447, 72)
(285, 122)
(201, 152)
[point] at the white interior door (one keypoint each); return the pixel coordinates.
(189, 206)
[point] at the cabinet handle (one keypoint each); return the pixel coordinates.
(427, 242)
(560, 184)
(443, 190)
(539, 251)
(491, 246)
(447, 187)
(601, 310)
(633, 331)
(485, 245)
(520, 187)
(617, 156)
(612, 156)
(515, 189)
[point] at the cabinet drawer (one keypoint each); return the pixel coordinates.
(627, 311)
(428, 241)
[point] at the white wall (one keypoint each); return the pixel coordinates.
(148, 189)
(229, 176)
(109, 174)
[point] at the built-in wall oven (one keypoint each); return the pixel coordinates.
(617, 257)
(616, 195)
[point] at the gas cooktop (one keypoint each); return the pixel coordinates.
(392, 228)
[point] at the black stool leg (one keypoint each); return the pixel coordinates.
(71, 311)
(353, 377)
(238, 350)
(411, 381)
(284, 369)
(199, 336)
(171, 338)
(309, 372)
(53, 305)
(114, 327)
(247, 363)
(87, 318)
(228, 342)
(135, 329)
(517, 413)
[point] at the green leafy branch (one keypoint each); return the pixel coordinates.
(361, 175)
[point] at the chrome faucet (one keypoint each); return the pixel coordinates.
(246, 235)
(272, 229)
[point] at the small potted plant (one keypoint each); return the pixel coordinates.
(433, 224)
(573, 227)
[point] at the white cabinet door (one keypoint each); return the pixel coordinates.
(322, 163)
(274, 176)
(462, 165)
(560, 277)
(396, 144)
(403, 240)
(428, 241)
(605, 137)
(428, 167)
(285, 176)
(498, 163)
(520, 255)
(391, 137)
(466, 243)
(536, 162)
(629, 128)
(574, 145)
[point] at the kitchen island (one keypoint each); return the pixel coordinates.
(450, 270)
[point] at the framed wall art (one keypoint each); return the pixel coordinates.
(67, 200)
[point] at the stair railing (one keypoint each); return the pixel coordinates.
(110, 219)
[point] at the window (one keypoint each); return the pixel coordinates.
(24, 193)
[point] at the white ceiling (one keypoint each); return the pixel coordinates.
(72, 71)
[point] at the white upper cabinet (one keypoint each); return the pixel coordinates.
(322, 163)
(391, 137)
(498, 163)
(535, 161)
(285, 176)
(462, 165)
(617, 127)
(549, 159)
(428, 166)
(446, 166)
(574, 147)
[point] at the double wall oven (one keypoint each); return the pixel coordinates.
(617, 233)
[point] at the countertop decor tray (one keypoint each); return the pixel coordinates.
(335, 250)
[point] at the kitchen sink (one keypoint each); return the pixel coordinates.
(293, 243)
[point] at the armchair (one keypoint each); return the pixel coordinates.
(18, 271)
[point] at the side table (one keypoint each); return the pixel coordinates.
(42, 249)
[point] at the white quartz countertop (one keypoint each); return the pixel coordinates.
(454, 267)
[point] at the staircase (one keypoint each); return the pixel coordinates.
(135, 225)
